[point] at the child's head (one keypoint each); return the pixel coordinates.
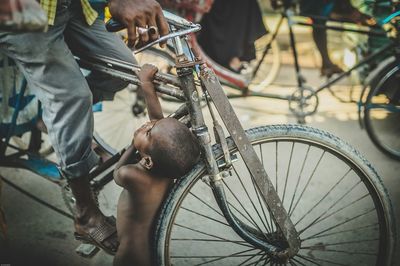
(168, 146)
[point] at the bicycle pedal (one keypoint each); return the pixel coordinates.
(86, 250)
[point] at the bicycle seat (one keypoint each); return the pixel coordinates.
(178, 27)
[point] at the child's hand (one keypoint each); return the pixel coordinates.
(147, 73)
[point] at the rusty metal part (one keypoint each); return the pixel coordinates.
(125, 67)
(220, 138)
(131, 77)
(251, 160)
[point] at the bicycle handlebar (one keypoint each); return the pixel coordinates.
(113, 25)
(183, 26)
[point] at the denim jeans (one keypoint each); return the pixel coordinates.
(47, 62)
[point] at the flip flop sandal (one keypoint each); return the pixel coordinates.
(100, 234)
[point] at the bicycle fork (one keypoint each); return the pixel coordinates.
(264, 185)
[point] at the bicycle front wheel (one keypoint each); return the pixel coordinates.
(334, 198)
(382, 114)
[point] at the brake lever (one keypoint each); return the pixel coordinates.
(194, 28)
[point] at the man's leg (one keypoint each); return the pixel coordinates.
(96, 40)
(57, 81)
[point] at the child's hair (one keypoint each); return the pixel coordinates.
(176, 151)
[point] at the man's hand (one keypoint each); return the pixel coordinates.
(140, 13)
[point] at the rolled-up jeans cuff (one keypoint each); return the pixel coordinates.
(81, 168)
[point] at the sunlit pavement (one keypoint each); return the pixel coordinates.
(39, 236)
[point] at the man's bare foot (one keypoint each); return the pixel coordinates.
(22, 16)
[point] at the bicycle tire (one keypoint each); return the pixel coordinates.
(269, 68)
(382, 113)
(171, 246)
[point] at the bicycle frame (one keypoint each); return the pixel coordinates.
(213, 90)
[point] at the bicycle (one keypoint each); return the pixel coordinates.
(237, 206)
(374, 104)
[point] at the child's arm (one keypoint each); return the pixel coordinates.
(125, 166)
(146, 76)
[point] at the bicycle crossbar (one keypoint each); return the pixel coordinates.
(364, 61)
(130, 77)
(125, 66)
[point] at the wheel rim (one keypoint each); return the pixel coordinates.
(269, 69)
(382, 116)
(336, 226)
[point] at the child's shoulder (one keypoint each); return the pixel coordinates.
(126, 174)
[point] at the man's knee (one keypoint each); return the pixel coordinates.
(104, 87)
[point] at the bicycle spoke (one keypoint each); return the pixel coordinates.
(323, 197)
(245, 210)
(266, 261)
(298, 261)
(248, 196)
(344, 242)
(344, 222)
(298, 181)
(262, 259)
(308, 259)
(237, 254)
(259, 196)
(309, 180)
(321, 260)
(266, 225)
(249, 259)
(341, 232)
(287, 172)
(206, 204)
(276, 166)
(335, 212)
(319, 218)
(215, 236)
(276, 180)
(345, 251)
(236, 209)
(204, 216)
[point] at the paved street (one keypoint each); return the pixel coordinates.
(39, 236)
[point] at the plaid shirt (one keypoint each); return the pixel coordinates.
(50, 7)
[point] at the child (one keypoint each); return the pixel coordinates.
(168, 150)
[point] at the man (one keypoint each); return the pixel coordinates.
(46, 60)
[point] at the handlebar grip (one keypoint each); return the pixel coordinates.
(113, 25)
